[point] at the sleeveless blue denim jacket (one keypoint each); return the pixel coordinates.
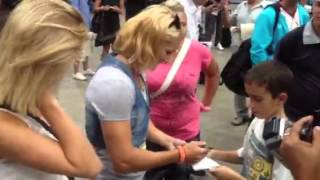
(139, 115)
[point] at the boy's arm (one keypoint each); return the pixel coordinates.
(227, 156)
(226, 173)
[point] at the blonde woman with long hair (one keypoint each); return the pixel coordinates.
(40, 41)
(117, 103)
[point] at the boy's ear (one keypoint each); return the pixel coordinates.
(283, 97)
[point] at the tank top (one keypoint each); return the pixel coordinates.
(10, 170)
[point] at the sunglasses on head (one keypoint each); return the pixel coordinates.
(176, 22)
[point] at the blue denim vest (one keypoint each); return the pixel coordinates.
(139, 115)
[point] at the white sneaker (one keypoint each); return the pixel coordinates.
(219, 46)
(89, 72)
(79, 76)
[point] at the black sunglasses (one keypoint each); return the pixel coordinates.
(176, 22)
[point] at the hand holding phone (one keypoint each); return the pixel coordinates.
(306, 132)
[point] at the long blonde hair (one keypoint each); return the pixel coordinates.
(142, 36)
(40, 40)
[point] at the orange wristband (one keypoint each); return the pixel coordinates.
(182, 154)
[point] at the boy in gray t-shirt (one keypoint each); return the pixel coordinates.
(267, 85)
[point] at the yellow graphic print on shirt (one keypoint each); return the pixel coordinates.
(260, 169)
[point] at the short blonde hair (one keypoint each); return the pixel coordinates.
(40, 40)
(142, 36)
(174, 5)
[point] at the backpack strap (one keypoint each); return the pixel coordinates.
(276, 7)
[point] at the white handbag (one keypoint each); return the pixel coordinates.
(174, 68)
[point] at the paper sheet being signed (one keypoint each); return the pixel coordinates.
(205, 164)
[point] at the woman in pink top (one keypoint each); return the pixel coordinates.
(177, 110)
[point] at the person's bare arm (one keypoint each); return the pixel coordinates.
(227, 156)
(226, 18)
(98, 7)
(226, 173)
(71, 155)
(127, 158)
(119, 9)
(211, 82)
(157, 136)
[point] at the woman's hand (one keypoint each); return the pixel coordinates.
(106, 8)
(235, 29)
(195, 151)
(204, 108)
(115, 8)
(171, 143)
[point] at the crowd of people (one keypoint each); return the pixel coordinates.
(142, 115)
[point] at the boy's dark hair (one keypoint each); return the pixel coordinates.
(277, 77)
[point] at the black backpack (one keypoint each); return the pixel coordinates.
(237, 66)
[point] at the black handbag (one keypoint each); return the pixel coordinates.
(238, 65)
(235, 70)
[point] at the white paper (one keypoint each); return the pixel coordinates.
(204, 164)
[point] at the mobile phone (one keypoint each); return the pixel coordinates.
(271, 133)
(306, 132)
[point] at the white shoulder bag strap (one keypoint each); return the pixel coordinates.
(174, 68)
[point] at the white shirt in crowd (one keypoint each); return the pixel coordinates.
(193, 18)
(246, 15)
(292, 22)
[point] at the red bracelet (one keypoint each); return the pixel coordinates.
(182, 154)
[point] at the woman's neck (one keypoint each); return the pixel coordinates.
(128, 62)
(122, 59)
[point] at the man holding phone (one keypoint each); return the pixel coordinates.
(301, 157)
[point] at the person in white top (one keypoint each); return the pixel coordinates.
(193, 10)
(243, 16)
(39, 43)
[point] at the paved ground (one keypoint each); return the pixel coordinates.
(216, 127)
